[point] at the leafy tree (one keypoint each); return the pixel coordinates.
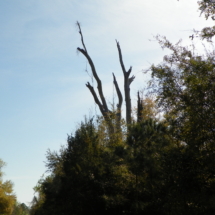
(146, 108)
(20, 209)
(148, 141)
(94, 174)
(184, 85)
(88, 176)
(207, 7)
(155, 165)
(7, 197)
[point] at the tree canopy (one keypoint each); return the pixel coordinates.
(7, 197)
(153, 165)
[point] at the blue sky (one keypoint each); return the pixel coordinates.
(42, 78)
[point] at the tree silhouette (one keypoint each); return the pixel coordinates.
(100, 100)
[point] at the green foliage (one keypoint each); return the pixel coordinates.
(154, 170)
(184, 84)
(83, 175)
(97, 175)
(152, 166)
(189, 182)
(20, 209)
(7, 198)
(148, 141)
(160, 167)
(148, 109)
(207, 7)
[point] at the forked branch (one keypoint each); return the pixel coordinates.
(127, 82)
(101, 102)
(99, 83)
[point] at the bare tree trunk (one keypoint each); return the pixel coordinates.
(119, 105)
(127, 82)
(107, 114)
(139, 108)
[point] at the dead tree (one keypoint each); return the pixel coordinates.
(127, 82)
(101, 101)
(139, 108)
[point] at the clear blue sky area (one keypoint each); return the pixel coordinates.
(42, 77)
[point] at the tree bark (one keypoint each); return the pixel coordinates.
(127, 82)
(107, 114)
(119, 105)
(139, 108)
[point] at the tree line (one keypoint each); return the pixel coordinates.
(145, 163)
(8, 201)
(160, 160)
